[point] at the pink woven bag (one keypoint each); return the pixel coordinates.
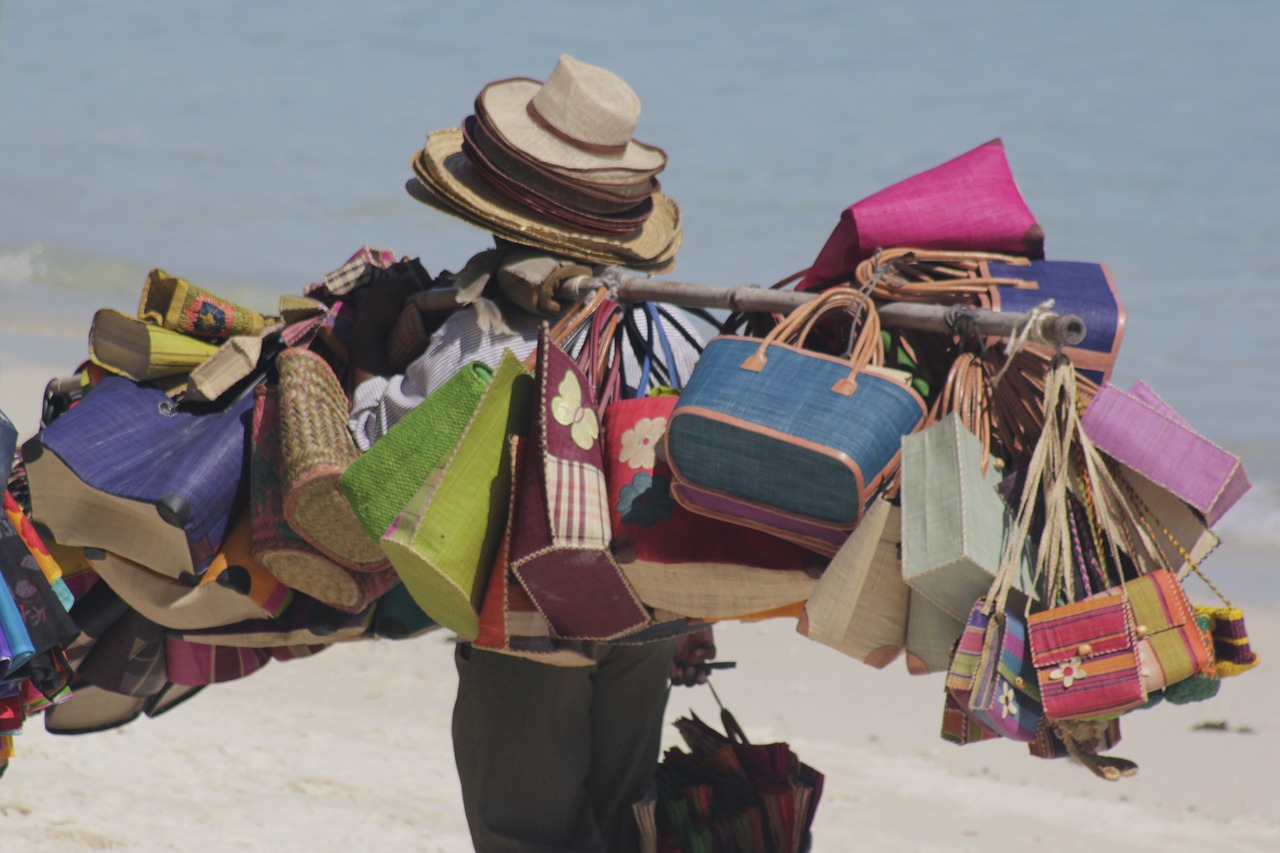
(970, 202)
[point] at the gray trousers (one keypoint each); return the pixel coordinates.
(551, 758)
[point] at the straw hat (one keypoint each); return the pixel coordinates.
(576, 167)
(582, 117)
(447, 181)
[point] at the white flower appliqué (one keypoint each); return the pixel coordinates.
(1069, 672)
(639, 443)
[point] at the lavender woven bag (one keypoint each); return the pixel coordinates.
(1156, 442)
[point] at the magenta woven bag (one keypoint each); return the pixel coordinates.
(1140, 430)
(970, 202)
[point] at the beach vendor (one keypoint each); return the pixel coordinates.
(549, 758)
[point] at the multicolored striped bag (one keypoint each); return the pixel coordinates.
(1005, 694)
(1170, 645)
(1086, 658)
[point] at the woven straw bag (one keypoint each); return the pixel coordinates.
(679, 560)
(316, 448)
(797, 432)
(383, 479)
(968, 203)
(284, 553)
(177, 304)
(560, 516)
(860, 604)
(443, 541)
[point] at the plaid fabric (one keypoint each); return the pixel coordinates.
(577, 498)
(581, 591)
(358, 270)
(1086, 659)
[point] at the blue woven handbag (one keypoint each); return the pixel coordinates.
(128, 471)
(810, 435)
(1076, 287)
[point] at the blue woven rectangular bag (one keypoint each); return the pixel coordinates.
(770, 423)
(1076, 287)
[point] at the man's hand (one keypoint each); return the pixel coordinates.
(691, 650)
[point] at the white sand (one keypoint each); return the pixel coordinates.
(350, 750)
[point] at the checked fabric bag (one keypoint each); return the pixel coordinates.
(560, 533)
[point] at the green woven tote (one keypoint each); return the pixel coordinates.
(443, 543)
(383, 479)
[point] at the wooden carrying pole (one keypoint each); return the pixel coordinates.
(1046, 327)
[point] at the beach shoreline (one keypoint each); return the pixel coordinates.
(329, 752)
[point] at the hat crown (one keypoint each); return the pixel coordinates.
(588, 103)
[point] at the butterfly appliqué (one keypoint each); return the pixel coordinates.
(568, 411)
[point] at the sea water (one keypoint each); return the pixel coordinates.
(251, 147)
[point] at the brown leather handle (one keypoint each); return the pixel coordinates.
(867, 347)
(907, 274)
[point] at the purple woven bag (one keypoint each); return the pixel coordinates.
(1140, 430)
(129, 471)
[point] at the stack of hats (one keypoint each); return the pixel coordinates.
(553, 165)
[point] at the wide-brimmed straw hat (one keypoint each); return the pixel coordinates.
(582, 117)
(535, 184)
(447, 181)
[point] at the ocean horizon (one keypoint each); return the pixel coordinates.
(253, 148)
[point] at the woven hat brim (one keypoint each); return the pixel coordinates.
(506, 104)
(421, 188)
(446, 181)
(450, 170)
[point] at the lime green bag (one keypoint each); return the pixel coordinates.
(443, 542)
(382, 480)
